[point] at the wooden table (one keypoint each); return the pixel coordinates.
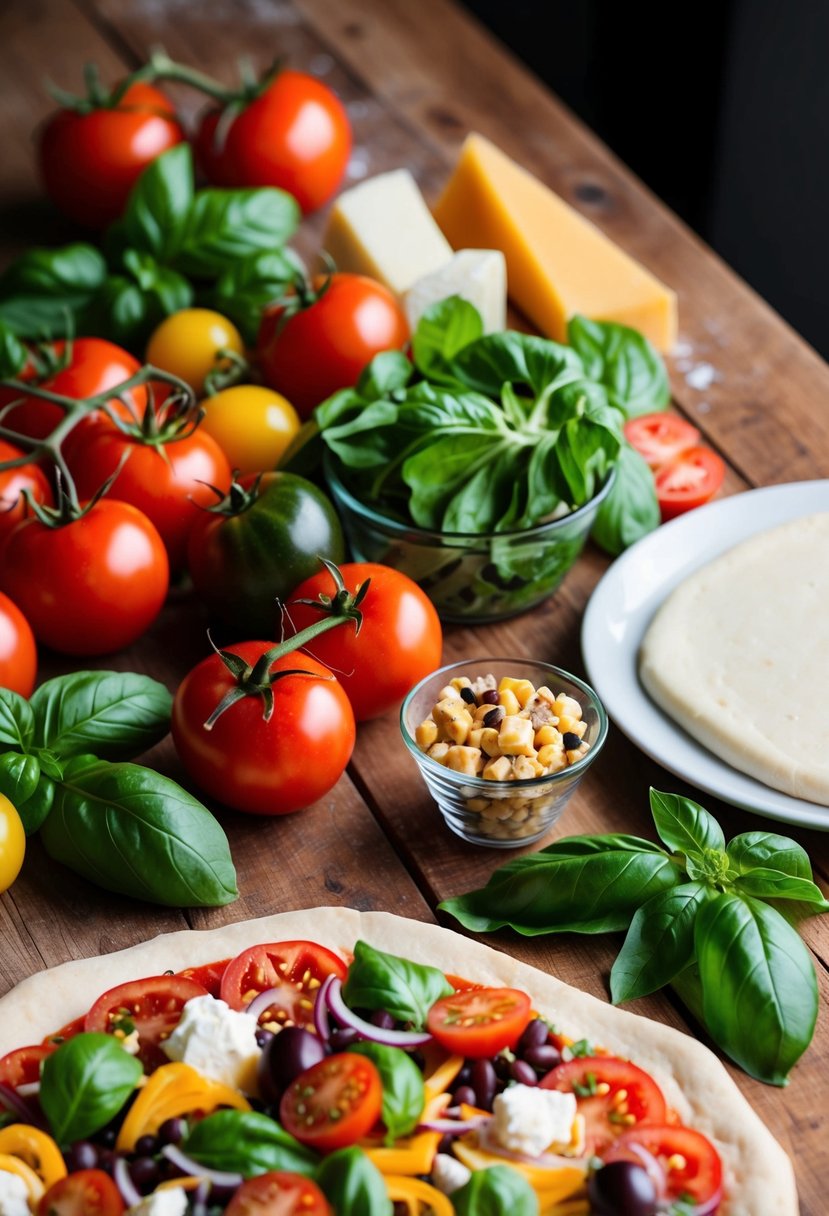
(415, 78)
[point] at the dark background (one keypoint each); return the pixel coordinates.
(722, 108)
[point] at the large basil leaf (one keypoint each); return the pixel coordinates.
(587, 884)
(624, 361)
(497, 1191)
(37, 806)
(44, 293)
(17, 721)
(388, 373)
(403, 1092)
(774, 884)
(226, 225)
(131, 830)
(19, 776)
(444, 329)
(630, 510)
(159, 204)
(659, 942)
(113, 714)
(684, 826)
(249, 285)
(750, 850)
(353, 1185)
(406, 990)
(85, 1083)
(526, 362)
(247, 1143)
(759, 992)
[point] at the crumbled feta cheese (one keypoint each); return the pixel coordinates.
(449, 1174)
(172, 1202)
(130, 1043)
(14, 1195)
(217, 1041)
(528, 1120)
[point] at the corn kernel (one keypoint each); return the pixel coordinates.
(509, 701)
(526, 768)
(438, 751)
(515, 737)
(426, 734)
(499, 769)
(489, 741)
(454, 718)
(463, 759)
(460, 682)
(523, 690)
(567, 707)
(547, 734)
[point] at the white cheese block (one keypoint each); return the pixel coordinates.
(172, 1202)
(528, 1120)
(479, 275)
(219, 1042)
(14, 1195)
(384, 229)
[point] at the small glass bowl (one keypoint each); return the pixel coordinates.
(469, 578)
(502, 814)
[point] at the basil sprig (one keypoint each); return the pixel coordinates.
(709, 917)
(404, 989)
(127, 828)
(85, 1083)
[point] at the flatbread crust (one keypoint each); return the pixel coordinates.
(738, 655)
(759, 1174)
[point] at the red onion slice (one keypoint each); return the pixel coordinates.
(12, 1100)
(453, 1127)
(367, 1030)
(262, 1002)
(652, 1167)
(121, 1175)
(322, 1024)
(217, 1177)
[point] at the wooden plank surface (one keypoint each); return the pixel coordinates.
(414, 80)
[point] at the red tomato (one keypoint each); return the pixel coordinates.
(325, 346)
(152, 1007)
(265, 768)
(296, 136)
(398, 644)
(18, 653)
(90, 162)
(692, 1165)
(689, 481)
(13, 482)
(333, 1104)
(480, 1021)
(278, 1193)
(169, 482)
(92, 586)
(295, 968)
(93, 365)
(660, 437)
(209, 975)
(604, 1113)
(22, 1066)
(66, 1032)
(84, 1193)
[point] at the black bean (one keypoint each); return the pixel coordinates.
(570, 741)
(81, 1156)
(145, 1146)
(106, 1160)
(494, 716)
(144, 1172)
(468, 695)
(523, 1073)
(535, 1033)
(382, 1019)
(503, 1068)
(172, 1131)
(490, 697)
(484, 1082)
(543, 1058)
(464, 1094)
(108, 1136)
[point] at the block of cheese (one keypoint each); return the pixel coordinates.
(479, 275)
(384, 229)
(558, 263)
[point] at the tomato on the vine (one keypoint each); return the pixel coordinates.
(187, 344)
(278, 1193)
(398, 644)
(151, 1006)
(311, 351)
(91, 586)
(82, 1193)
(294, 135)
(265, 767)
(12, 843)
(333, 1104)
(252, 425)
(480, 1021)
(13, 482)
(294, 969)
(18, 653)
(89, 162)
(628, 1096)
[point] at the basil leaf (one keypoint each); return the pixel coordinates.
(131, 830)
(225, 225)
(37, 806)
(114, 714)
(403, 1092)
(588, 884)
(630, 511)
(353, 1185)
(444, 329)
(19, 776)
(387, 373)
(759, 992)
(247, 1143)
(17, 721)
(43, 292)
(659, 942)
(766, 849)
(245, 289)
(496, 1191)
(624, 361)
(406, 990)
(159, 204)
(684, 826)
(13, 353)
(774, 884)
(85, 1083)
(120, 312)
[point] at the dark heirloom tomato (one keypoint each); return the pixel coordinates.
(13, 506)
(22, 1066)
(295, 969)
(692, 1165)
(18, 653)
(151, 1006)
(597, 1082)
(278, 1193)
(479, 1022)
(333, 1104)
(84, 1193)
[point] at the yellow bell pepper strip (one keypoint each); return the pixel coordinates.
(438, 1081)
(171, 1091)
(189, 1183)
(419, 1197)
(13, 1165)
(552, 1185)
(411, 1154)
(36, 1149)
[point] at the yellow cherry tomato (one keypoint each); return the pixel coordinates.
(252, 425)
(187, 343)
(12, 843)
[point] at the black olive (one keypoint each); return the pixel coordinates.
(81, 1156)
(535, 1033)
(484, 1082)
(570, 741)
(284, 1057)
(622, 1188)
(543, 1057)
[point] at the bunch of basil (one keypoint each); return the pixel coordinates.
(490, 434)
(127, 828)
(713, 920)
(174, 246)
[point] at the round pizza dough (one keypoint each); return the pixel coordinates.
(738, 655)
(759, 1177)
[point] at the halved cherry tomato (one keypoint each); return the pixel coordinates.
(689, 481)
(22, 1066)
(480, 1021)
(660, 437)
(692, 1165)
(278, 1193)
(84, 1193)
(296, 968)
(13, 482)
(605, 1113)
(209, 975)
(333, 1104)
(18, 652)
(152, 1007)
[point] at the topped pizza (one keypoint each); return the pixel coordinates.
(337, 1063)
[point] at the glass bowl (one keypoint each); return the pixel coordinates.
(502, 814)
(470, 579)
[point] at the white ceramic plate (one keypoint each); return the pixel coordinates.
(621, 609)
